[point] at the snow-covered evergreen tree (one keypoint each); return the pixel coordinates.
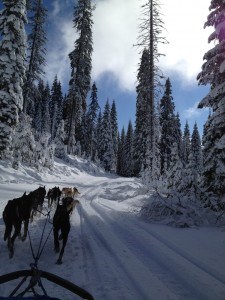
(196, 150)
(23, 143)
(178, 135)
(46, 122)
(186, 143)
(12, 69)
(81, 64)
(59, 141)
(121, 157)
(128, 151)
(114, 125)
(149, 81)
(140, 138)
(213, 73)
(37, 121)
(107, 142)
(99, 135)
(55, 106)
(167, 118)
(174, 173)
(92, 115)
(36, 53)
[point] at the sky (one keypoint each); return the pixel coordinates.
(115, 59)
(113, 250)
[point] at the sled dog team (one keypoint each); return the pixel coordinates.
(22, 210)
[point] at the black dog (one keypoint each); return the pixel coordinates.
(53, 194)
(15, 212)
(38, 197)
(20, 210)
(61, 221)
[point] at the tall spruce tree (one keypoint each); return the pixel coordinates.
(92, 115)
(99, 153)
(107, 142)
(114, 125)
(12, 69)
(149, 38)
(39, 109)
(213, 73)
(55, 106)
(36, 53)
(167, 119)
(128, 151)
(46, 122)
(140, 139)
(178, 135)
(81, 64)
(196, 150)
(186, 143)
(121, 160)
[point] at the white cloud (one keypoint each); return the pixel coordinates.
(188, 40)
(115, 32)
(194, 111)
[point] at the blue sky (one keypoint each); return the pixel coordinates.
(115, 59)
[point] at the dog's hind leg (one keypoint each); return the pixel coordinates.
(8, 230)
(12, 239)
(65, 237)
(56, 240)
(26, 222)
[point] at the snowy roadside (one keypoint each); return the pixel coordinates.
(111, 251)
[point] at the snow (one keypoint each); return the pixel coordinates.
(112, 252)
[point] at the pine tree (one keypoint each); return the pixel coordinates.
(140, 139)
(128, 151)
(37, 121)
(23, 143)
(121, 160)
(178, 136)
(107, 142)
(196, 150)
(114, 125)
(55, 106)
(60, 147)
(92, 123)
(150, 83)
(174, 173)
(36, 53)
(99, 136)
(80, 60)
(186, 143)
(213, 73)
(45, 121)
(167, 119)
(12, 69)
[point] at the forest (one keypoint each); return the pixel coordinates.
(38, 123)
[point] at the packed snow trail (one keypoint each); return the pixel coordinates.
(113, 253)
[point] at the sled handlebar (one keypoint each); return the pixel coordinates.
(49, 276)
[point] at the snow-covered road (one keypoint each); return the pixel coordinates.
(113, 253)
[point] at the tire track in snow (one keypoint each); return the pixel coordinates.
(127, 264)
(87, 256)
(91, 247)
(181, 275)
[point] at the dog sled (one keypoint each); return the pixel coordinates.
(30, 286)
(35, 281)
